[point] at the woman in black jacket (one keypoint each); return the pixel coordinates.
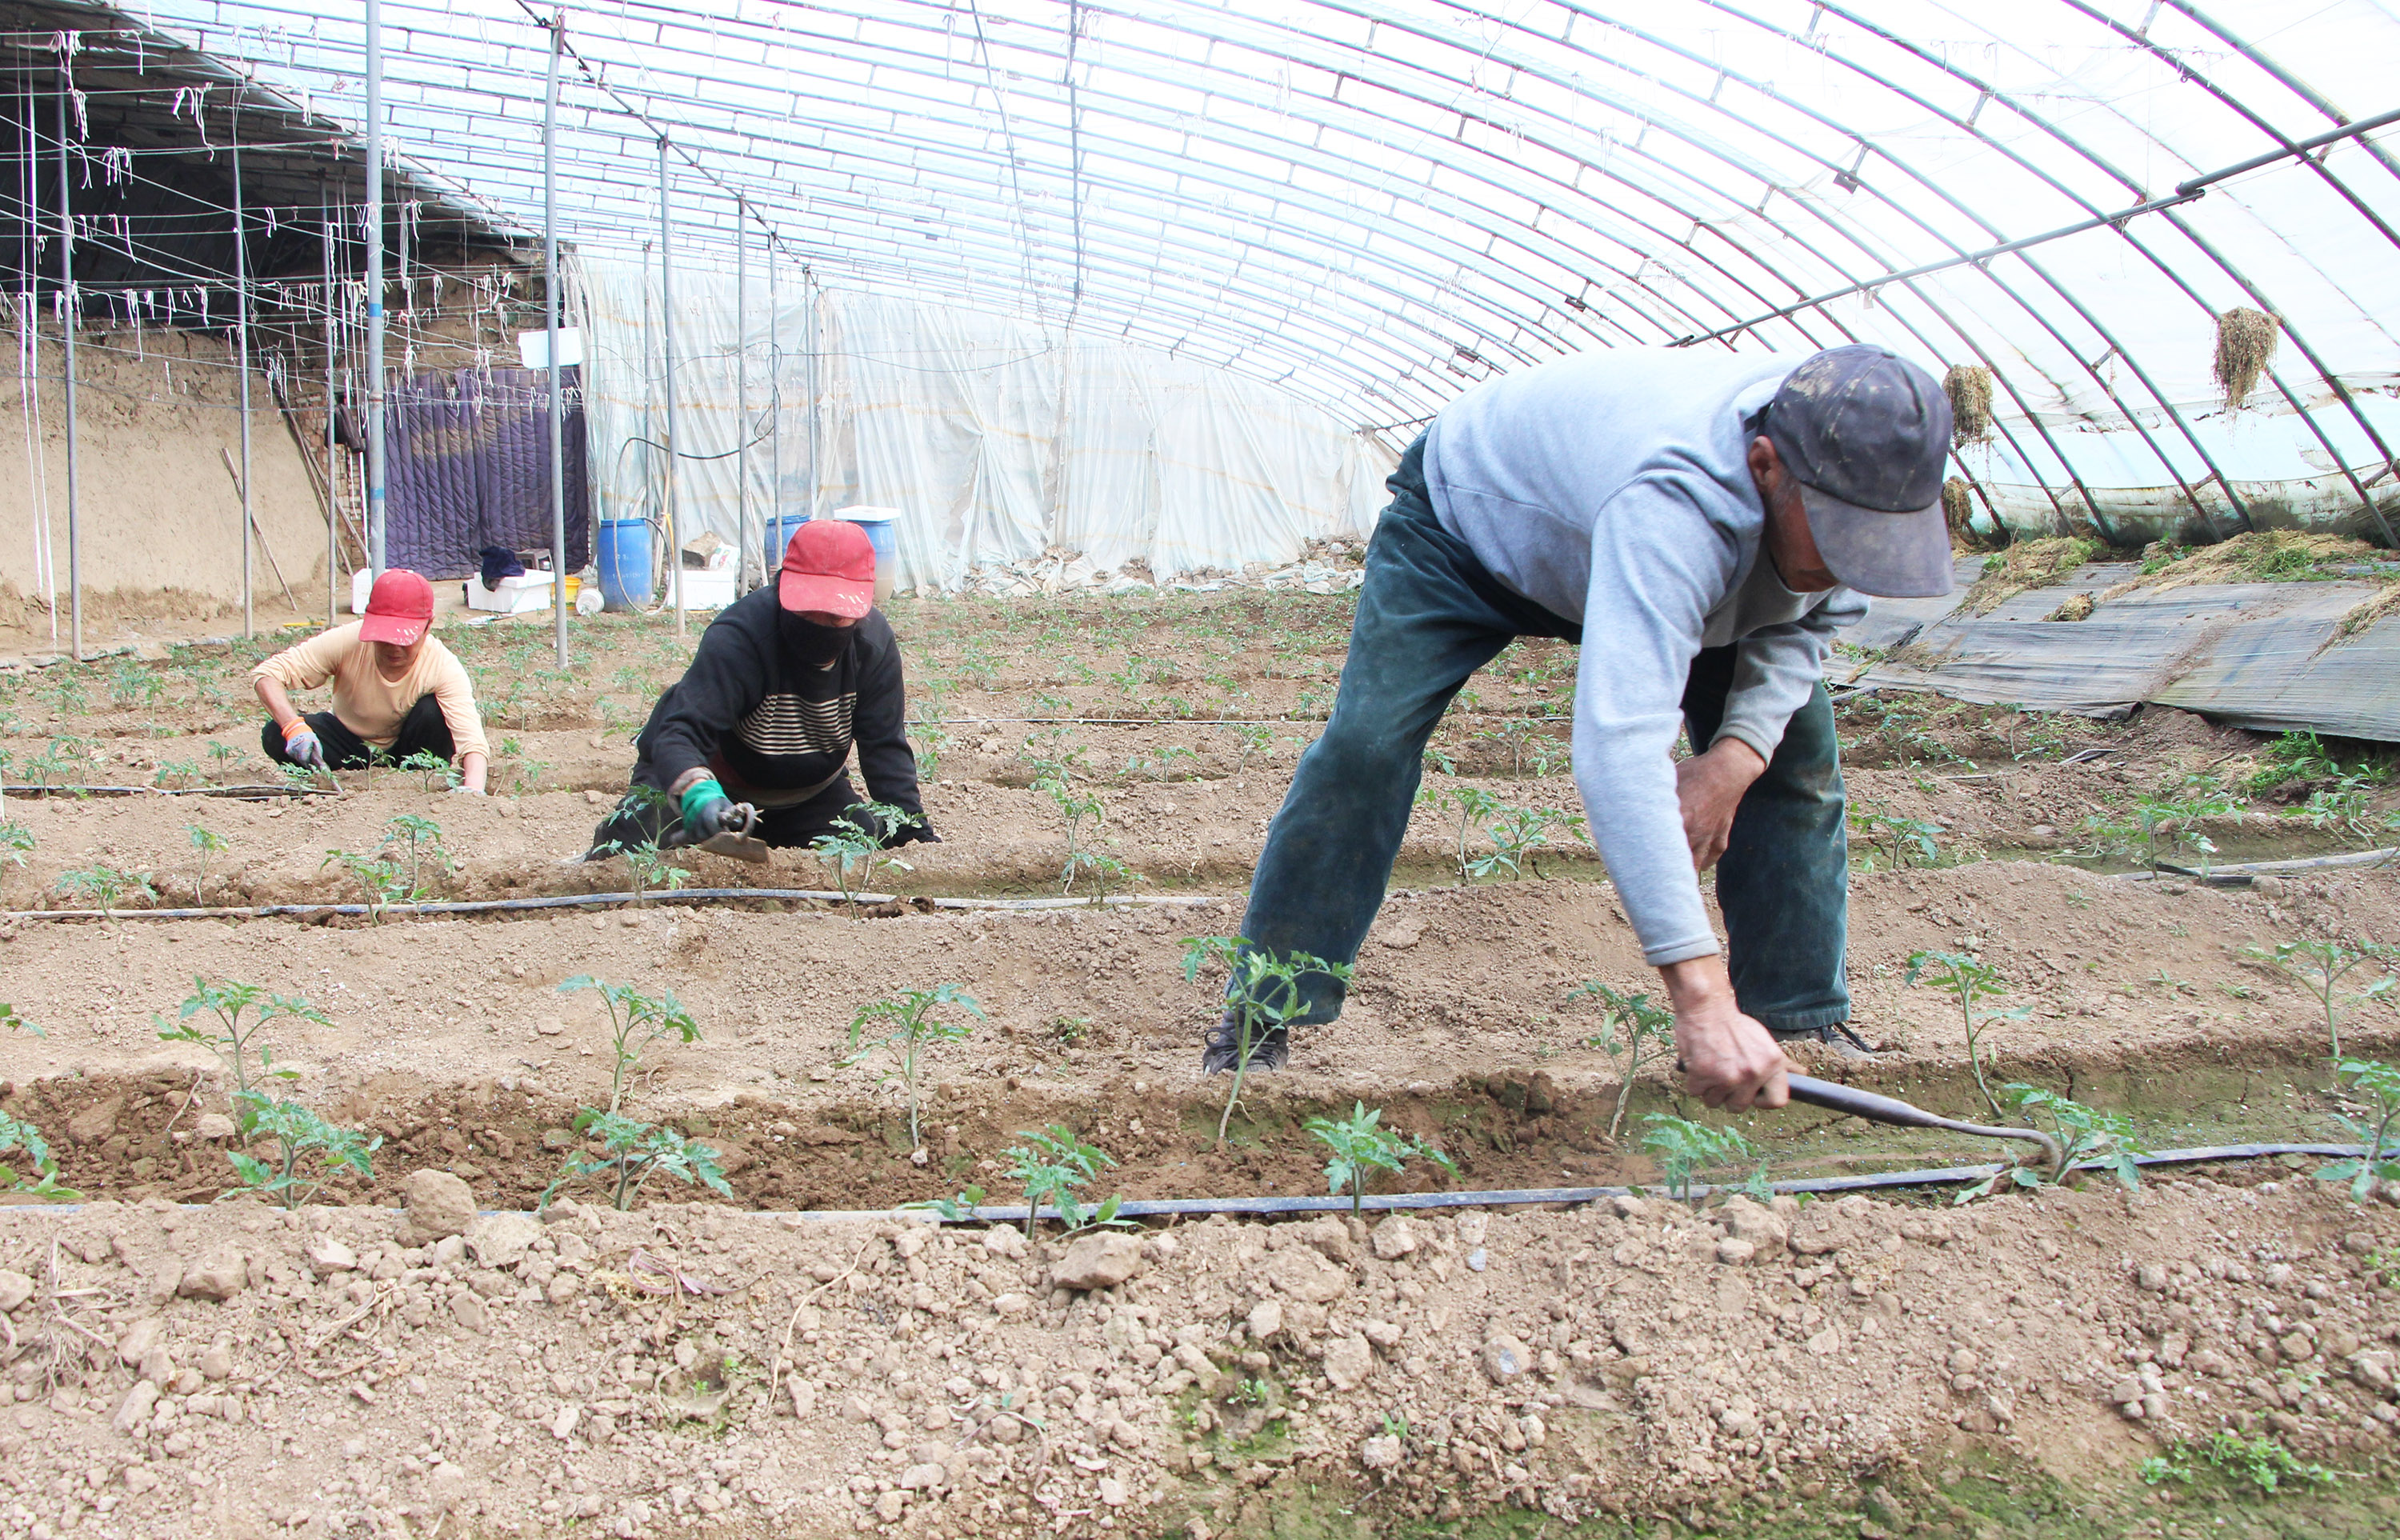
(785, 682)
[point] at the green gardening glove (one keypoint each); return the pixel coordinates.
(708, 811)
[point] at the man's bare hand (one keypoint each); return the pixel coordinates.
(1728, 1059)
(1710, 786)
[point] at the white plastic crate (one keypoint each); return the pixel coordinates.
(514, 596)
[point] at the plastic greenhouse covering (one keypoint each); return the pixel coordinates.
(1171, 279)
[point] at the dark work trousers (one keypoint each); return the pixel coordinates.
(1430, 615)
(648, 815)
(423, 730)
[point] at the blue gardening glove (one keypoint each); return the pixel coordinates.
(707, 812)
(300, 745)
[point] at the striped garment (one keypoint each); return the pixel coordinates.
(786, 725)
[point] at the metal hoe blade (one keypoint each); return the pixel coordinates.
(1837, 1097)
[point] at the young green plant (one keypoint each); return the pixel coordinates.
(853, 845)
(631, 1151)
(303, 1141)
(416, 840)
(912, 1030)
(1649, 1034)
(1051, 1166)
(234, 1043)
(1361, 1145)
(1263, 996)
(2373, 1090)
(106, 886)
(1970, 982)
(2319, 966)
(2086, 1136)
(1683, 1148)
(206, 844)
(635, 1020)
(383, 880)
(42, 1183)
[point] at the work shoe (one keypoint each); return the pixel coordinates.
(1845, 1042)
(1269, 1049)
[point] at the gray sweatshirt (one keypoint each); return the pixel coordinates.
(1612, 488)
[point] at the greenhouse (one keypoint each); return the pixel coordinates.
(724, 724)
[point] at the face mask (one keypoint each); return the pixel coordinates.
(813, 643)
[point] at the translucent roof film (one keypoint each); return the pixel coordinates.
(1374, 205)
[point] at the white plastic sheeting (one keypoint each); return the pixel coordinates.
(1376, 203)
(993, 444)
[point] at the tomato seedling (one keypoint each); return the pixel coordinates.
(1262, 995)
(1362, 1145)
(914, 1029)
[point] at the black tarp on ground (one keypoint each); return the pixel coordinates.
(467, 465)
(2264, 656)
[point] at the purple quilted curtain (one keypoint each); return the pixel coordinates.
(467, 462)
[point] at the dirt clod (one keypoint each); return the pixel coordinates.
(217, 1275)
(439, 1205)
(1098, 1262)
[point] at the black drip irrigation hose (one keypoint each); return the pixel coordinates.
(630, 900)
(1490, 1199)
(248, 793)
(2243, 873)
(1509, 1197)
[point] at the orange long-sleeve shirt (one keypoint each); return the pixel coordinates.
(372, 705)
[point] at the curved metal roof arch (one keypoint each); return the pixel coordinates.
(1373, 204)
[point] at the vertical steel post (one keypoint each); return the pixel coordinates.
(376, 397)
(770, 560)
(549, 319)
(741, 388)
(666, 317)
(816, 476)
(71, 308)
(333, 449)
(241, 362)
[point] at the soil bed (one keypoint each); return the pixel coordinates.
(450, 1038)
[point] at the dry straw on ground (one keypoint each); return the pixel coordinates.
(2245, 343)
(2027, 564)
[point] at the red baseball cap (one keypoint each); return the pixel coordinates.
(829, 566)
(399, 608)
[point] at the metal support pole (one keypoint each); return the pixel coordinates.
(742, 387)
(768, 560)
(241, 362)
(70, 306)
(333, 449)
(666, 317)
(817, 474)
(549, 313)
(375, 396)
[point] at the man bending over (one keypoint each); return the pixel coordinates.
(1701, 524)
(397, 691)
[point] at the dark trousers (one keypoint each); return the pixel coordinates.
(647, 815)
(424, 730)
(1430, 615)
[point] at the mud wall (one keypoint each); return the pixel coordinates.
(160, 511)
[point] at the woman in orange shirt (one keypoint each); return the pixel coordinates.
(397, 691)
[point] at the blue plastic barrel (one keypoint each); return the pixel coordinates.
(880, 529)
(780, 531)
(629, 573)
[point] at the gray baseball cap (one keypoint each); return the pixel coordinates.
(1866, 435)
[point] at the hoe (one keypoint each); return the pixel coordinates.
(1874, 1109)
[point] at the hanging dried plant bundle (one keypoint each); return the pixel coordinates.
(1969, 386)
(2245, 342)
